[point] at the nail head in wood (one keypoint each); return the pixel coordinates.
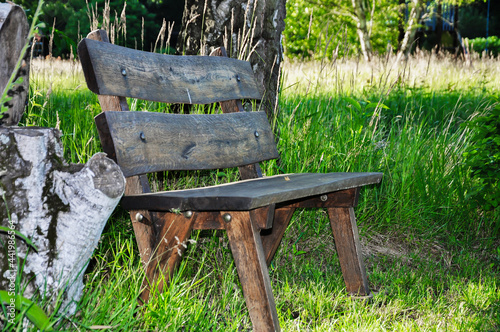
(139, 217)
(188, 214)
(238, 78)
(227, 217)
(323, 198)
(142, 136)
(257, 134)
(124, 72)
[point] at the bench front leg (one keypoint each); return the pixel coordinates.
(171, 242)
(250, 261)
(345, 233)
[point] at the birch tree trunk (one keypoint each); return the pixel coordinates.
(362, 28)
(14, 30)
(61, 208)
(411, 29)
(248, 29)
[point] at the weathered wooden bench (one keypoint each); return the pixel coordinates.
(143, 142)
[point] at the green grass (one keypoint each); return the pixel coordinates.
(432, 254)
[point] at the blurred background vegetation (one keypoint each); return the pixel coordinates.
(314, 28)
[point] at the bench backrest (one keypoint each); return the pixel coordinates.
(119, 71)
(143, 142)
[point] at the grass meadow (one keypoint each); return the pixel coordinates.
(432, 254)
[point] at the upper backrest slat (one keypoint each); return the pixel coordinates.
(147, 142)
(114, 70)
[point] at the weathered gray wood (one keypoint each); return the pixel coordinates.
(345, 233)
(62, 208)
(108, 103)
(120, 71)
(151, 142)
(246, 246)
(231, 106)
(251, 194)
(14, 30)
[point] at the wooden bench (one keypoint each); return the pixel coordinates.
(142, 142)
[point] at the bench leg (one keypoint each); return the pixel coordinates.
(170, 245)
(271, 238)
(345, 233)
(246, 246)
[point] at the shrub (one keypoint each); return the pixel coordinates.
(479, 45)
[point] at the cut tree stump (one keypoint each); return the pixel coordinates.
(14, 30)
(61, 208)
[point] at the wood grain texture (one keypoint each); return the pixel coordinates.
(263, 216)
(271, 238)
(125, 72)
(108, 103)
(342, 198)
(345, 232)
(151, 142)
(171, 243)
(246, 246)
(250, 194)
(251, 171)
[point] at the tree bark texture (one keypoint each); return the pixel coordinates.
(411, 29)
(61, 208)
(248, 29)
(362, 28)
(14, 30)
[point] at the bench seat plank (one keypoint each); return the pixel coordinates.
(250, 194)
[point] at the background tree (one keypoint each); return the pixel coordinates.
(249, 29)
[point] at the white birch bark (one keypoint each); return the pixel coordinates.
(61, 208)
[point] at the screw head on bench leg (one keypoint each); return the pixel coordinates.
(188, 214)
(227, 217)
(139, 217)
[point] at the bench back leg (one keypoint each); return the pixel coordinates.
(249, 258)
(345, 233)
(144, 232)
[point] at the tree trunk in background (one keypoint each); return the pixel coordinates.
(14, 30)
(61, 208)
(362, 29)
(402, 22)
(411, 29)
(439, 25)
(248, 29)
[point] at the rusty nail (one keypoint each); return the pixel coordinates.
(227, 217)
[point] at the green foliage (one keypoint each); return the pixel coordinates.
(326, 29)
(483, 157)
(480, 44)
(70, 20)
(33, 312)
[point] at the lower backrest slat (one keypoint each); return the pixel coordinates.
(151, 142)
